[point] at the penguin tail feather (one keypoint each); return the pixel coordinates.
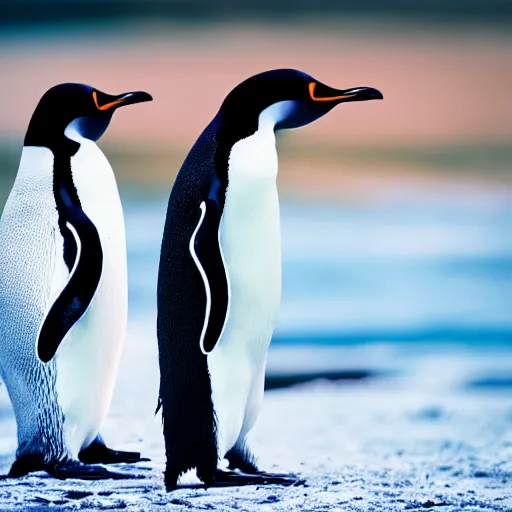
(241, 457)
(158, 407)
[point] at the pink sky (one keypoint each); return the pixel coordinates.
(438, 87)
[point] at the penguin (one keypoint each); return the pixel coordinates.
(63, 286)
(219, 280)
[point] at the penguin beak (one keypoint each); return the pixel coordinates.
(130, 98)
(323, 93)
(107, 102)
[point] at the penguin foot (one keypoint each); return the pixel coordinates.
(75, 469)
(103, 455)
(98, 453)
(232, 478)
(223, 478)
(26, 464)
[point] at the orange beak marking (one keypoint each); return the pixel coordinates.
(312, 86)
(107, 105)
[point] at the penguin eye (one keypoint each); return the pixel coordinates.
(312, 87)
(107, 105)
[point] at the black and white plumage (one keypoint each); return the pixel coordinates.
(63, 285)
(219, 284)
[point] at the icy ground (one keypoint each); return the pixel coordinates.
(433, 429)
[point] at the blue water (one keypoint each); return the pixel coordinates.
(435, 268)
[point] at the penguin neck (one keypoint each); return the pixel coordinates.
(72, 133)
(275, 114)
(253, 152)
(236, 128)
(253, 160)
(87, 149)
(50, 156)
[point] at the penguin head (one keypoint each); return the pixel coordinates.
(288, 98)
(81, 107)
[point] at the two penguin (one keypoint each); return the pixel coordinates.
(63, 291)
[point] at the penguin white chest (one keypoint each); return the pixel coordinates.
(251, 245)
(250, 232)
(89, 356)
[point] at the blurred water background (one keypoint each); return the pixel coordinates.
(396, 215)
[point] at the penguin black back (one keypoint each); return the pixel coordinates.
(185, 390)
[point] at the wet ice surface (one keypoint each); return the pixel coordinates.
(425, 435)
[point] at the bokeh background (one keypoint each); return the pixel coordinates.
(396, 215)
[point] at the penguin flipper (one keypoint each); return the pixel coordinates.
(206, 251)
(74, 300)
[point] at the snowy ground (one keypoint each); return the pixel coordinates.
(434, 430)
